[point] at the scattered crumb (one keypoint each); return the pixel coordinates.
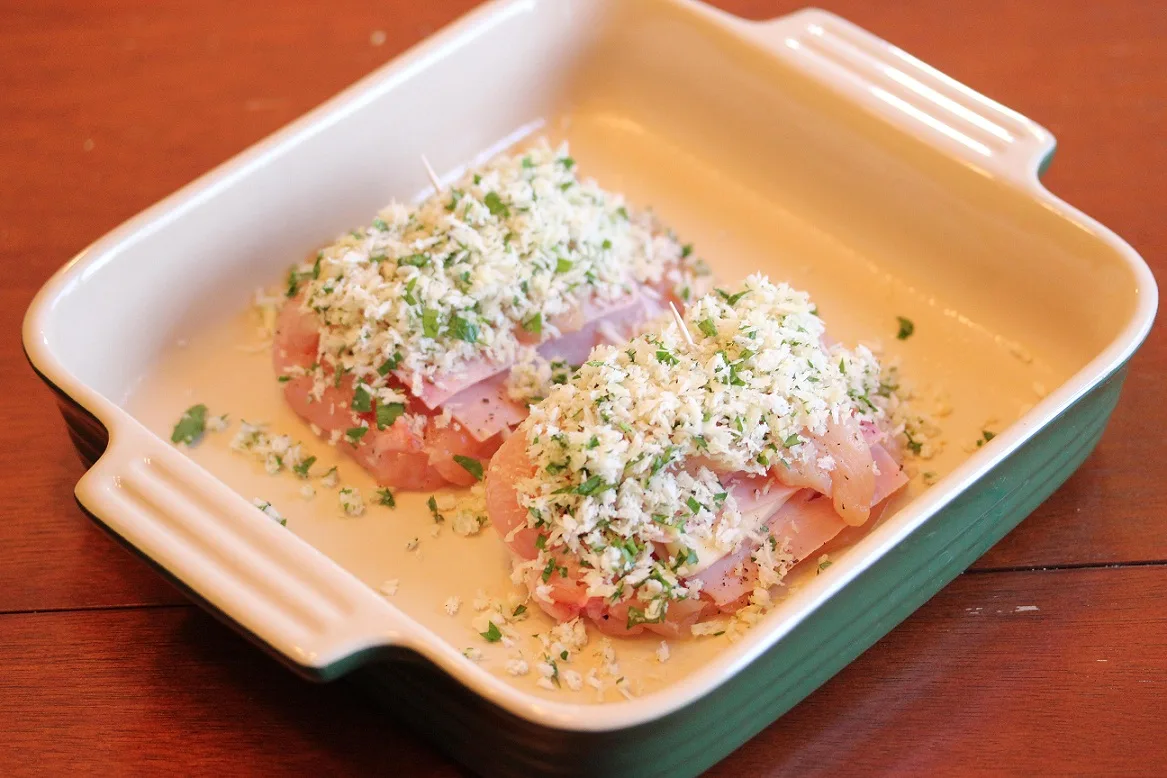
(217, 423)
(517, 666)
(1025, 608)
(1022, 353)
(662, 652)
(453, 605)
(473, 654)
(88, 144)
(714, 627)
(307, 492)
(573, 680)
(351, 501)
(411, 545)
(330, 479)
(1039, 389)
(389, 588)
(377, 38)
(269, 510)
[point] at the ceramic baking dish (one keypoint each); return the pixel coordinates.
(803, 147)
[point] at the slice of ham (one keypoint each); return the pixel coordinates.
(629, 310)
(484, 408)
(804, 523)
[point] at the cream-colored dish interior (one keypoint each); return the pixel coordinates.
(743, 155)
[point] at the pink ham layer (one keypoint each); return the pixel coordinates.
(627, 312)
(805, 520)
(484, 408)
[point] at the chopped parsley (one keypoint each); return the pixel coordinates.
(362, 400)
(385, 497)
(906, 328)
(463, 329)
(470, 465)
(534, 324)
(388, 413)
(495, 205)
(354, 434)
(191, 425)
(302, 468)
(493, 634)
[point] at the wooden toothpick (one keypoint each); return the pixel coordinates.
(681, 323)
(433, 176)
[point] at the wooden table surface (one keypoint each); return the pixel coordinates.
(106, 106)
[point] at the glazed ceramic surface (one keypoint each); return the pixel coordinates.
(802, 147)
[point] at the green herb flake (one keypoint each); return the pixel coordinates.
(429, 322)
(567, 162)
(495, 205)
(906, 328)
(694, 506)
(388, 413)
(823, 565)
(302, 468)
(463, 329)
(493, 634)
(792, 440)
(470, 465)
(592, 486)
(354, 434)
(385, 497)
(389, 365)
(563, 265)
(414, 260)
(666, 357)
(731, 299)
(534, 325)
(432, 504)
(708, 327)
(519, 611)
(284, 379)
(362, 400)
(191, 425)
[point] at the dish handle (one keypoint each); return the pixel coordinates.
(251, 570)
(914, 96)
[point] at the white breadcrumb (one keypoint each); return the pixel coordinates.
(351, 501)
(662, 652)
(517, 667)
(389, 587)
(453, 604)
(269, 510)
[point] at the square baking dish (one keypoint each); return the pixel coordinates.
(802, 147)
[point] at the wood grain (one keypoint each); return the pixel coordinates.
(968, 681)
(109, 105)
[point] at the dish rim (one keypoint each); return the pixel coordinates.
(396, 628)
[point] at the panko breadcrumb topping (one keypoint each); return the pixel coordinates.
(476, 271)
(629, 450)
